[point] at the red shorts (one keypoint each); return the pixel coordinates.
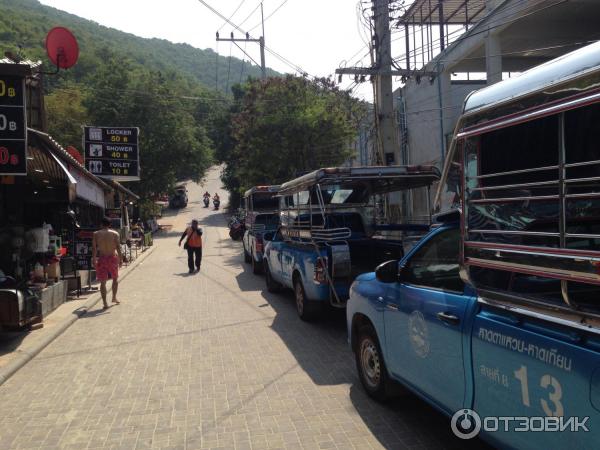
(107, 267)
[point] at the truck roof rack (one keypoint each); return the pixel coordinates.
(381, 179)
(274, 188)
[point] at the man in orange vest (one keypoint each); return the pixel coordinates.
(193, 245)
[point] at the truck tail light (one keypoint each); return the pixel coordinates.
(258, 245)
(320, 270)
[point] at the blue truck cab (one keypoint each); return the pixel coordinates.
(261, 216)
(494, 316)
(330, 231)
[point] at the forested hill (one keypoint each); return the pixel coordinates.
(26, 22)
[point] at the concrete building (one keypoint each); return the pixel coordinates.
(457, 46)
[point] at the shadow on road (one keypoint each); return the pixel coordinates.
(11, 340)
(322, 351)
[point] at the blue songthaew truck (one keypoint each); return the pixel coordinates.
(494, 316)
(331, 230)
(261, 206)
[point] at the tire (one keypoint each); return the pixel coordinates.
(306, 309)
(256, 267)
(272, 285)
(370, 365)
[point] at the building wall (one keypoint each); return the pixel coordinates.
(422, 113)
(423, 140)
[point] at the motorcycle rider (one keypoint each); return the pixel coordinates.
(206, 198)
(216, 200)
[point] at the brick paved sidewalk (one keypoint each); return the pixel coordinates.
(208, 361)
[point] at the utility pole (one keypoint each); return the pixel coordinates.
(382, 71)
(383, 83)
(260, 41)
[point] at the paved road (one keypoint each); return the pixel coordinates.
(204, 361)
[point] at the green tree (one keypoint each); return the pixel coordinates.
(173, 144)
(66, 114)
(283, 126)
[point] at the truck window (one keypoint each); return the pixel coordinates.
(512, 183)
(582, 140)
(435, 264)
(270, 221)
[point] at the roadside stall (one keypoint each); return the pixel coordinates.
(33, 211)
(46, 221)
(120, 205)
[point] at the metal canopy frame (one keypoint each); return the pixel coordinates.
(428, 22)
(381, 179)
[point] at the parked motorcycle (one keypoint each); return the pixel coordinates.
(206, 202)
(237, 228)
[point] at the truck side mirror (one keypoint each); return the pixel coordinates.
(387, 272)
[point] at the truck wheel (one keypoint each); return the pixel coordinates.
(305, 308)
(370, 365)
(256, 267)
(272, 285)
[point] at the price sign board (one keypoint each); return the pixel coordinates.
(83, 247)
(112, 152)
(13, 126)
(113, 213)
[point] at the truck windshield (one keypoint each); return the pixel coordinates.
(336, 194)
(265, 202)
(270, 221)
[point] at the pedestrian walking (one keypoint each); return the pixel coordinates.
(107, 258)
(193, 245)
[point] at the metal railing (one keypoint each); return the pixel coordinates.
(554, 259)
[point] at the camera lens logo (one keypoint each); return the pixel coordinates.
(465, 424)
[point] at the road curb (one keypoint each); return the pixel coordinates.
(25, 356)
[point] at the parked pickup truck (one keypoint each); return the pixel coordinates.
(261, 216)
(330, 233)
(257, 224)
(494, 318)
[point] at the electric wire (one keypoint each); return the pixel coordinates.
(243, 62)
(268, 17)
(271, 51)
(232, 14)
(250, 15)
(228, 69)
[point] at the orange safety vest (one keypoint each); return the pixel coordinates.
(194, 239)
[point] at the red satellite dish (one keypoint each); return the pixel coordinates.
(75, 154)
(62, 47)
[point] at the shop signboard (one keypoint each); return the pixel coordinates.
(115, 216)
(113, 213)
(83, 247)
(67, 235)
(13, 126)
(112, 152)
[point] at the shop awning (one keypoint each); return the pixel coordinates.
(119, 187)
(86, 185)
(45, 169)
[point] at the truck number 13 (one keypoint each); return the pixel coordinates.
(552, 406)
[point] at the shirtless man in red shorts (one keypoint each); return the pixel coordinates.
(107, 258)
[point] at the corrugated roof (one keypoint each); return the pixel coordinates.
(118, 186)
(454, 11)
(59, 151)
(41, 166)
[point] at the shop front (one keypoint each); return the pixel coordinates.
(46, 221)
